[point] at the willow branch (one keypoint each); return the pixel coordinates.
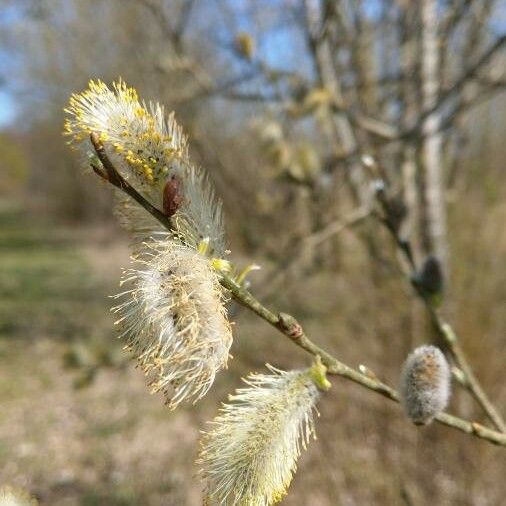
(286, 323)
(467, 75)
(289, 326)
(445, 330)
(442, 327)
(116, 179)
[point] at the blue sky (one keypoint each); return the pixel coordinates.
(7, 109)
(7, 103)
(279, 40)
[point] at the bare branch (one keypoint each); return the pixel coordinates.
(470, 72)
(288, 326)
(442, 327)
(301, 247)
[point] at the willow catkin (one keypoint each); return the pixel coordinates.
(172, 315)
(149, 150)
(250, 455)
(174, 320)
(425, 384)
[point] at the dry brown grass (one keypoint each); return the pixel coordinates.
(112, 443)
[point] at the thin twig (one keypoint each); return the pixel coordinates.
(442, 327)
(301, 247)
(335, 227)
(292, 329)
(472, 383)
(287, 324)
(466, 76)
(117, 180)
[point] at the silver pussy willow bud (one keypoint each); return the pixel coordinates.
(430, 279)
(425, 384)
(150, 151)
(250, 456)
(174, 320)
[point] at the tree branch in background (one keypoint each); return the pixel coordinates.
(468, 74)
(443, 328)
(288, 325)
(301, 247)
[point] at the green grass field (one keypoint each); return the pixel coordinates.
(78, 427)
(68, 436)
(43, 281)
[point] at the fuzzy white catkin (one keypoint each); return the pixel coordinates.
(174, 319)
(148, 148)
(249, 457)
(425, 384)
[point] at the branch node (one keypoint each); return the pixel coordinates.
(367, 372)
(319, 375)
(290, 326)
(97, 170)
(449, 333)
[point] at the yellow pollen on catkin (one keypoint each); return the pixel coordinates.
(148, 148)
(174, 319)
(140, 132)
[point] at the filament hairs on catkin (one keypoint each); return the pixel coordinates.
(174, 320)
(151, 152)
(425, 384)
(250, 455)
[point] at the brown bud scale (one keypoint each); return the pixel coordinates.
(172, 196)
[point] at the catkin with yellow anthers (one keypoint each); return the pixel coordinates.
(425, 384)
(174, 320)
(10, 496)
(149, 149)
(138, 134)
(250, 455)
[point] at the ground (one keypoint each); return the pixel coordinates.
(78, 426)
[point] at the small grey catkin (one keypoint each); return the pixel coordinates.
(425, 384)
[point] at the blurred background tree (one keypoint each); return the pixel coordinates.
(300, 88)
